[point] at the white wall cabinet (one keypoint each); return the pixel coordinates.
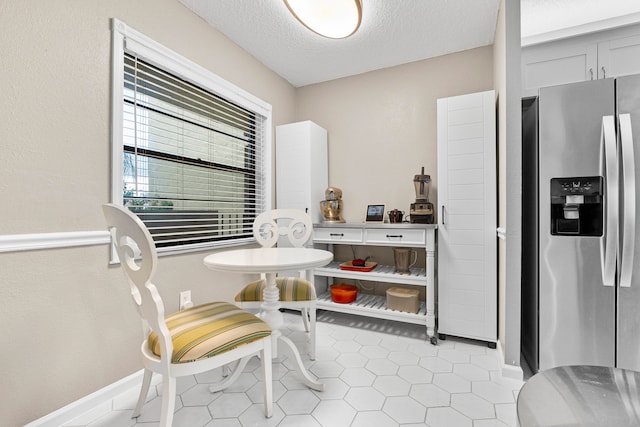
(302, 172)
(588, 57)
(393, 235)
(619, 57)
(467, 240)
(555, 64)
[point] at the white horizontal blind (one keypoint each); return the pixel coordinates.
(192, 161)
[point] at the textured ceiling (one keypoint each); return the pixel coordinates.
(393, 32)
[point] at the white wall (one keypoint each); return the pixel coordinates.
(513, 124)
(69, 328)
(507, 82)
(68, 325)
(382, 125)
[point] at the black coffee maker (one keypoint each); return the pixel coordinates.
(421, 212)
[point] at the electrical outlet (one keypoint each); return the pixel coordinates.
(185, 300)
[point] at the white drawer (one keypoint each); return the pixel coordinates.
(337, 235)
(399, 237)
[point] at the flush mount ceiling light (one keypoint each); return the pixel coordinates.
(335, 19)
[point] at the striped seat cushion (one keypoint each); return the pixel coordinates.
(209, 329)
(291, 289)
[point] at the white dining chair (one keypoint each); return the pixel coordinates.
(198, 339)
(296, 293)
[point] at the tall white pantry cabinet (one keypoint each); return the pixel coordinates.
(302, 171)
(467, 208)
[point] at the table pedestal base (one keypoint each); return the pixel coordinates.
(271, 314)
(299, 367)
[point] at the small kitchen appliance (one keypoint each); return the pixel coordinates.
(421, 212)
(395, 216)
(331, 207)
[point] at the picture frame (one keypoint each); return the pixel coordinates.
(375, 213)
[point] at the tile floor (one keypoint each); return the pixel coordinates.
(376, 373)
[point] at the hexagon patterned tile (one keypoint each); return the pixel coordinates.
(387, 374)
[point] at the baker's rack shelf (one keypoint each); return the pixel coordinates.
(381, 273)
(372, 306)
(394, 235)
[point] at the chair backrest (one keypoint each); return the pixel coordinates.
(295, 224)
(138, 258)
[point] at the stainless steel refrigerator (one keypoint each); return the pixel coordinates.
(581, 282)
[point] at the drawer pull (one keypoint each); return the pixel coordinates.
(391, 236)
(336, 234)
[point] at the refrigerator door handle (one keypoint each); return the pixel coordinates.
(609, 244)
(629, 201)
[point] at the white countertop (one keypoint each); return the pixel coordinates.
(374, 225)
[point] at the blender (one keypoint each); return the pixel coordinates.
(421, 212)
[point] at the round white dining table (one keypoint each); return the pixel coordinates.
(269, 261)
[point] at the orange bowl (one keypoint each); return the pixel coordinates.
(343, 293)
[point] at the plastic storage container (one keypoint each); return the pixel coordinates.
(403, 299)
(343, 293)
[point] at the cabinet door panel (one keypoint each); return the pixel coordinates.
(468, 146)
(469, 237)
(467, 282)
(465, 176)
(466, 207)
(619, 57)
(560, 63)
(467, 242)
(455, 267)
(465, 115)
(466, 192)
(468, 252)
(464, 222)
(467, 161)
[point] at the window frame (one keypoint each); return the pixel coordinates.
(126, 39)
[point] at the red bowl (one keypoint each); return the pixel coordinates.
(343, 293)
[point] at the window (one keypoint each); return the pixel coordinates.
(190, 150)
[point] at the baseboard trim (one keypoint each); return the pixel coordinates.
(89, 402)
(509, 371)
